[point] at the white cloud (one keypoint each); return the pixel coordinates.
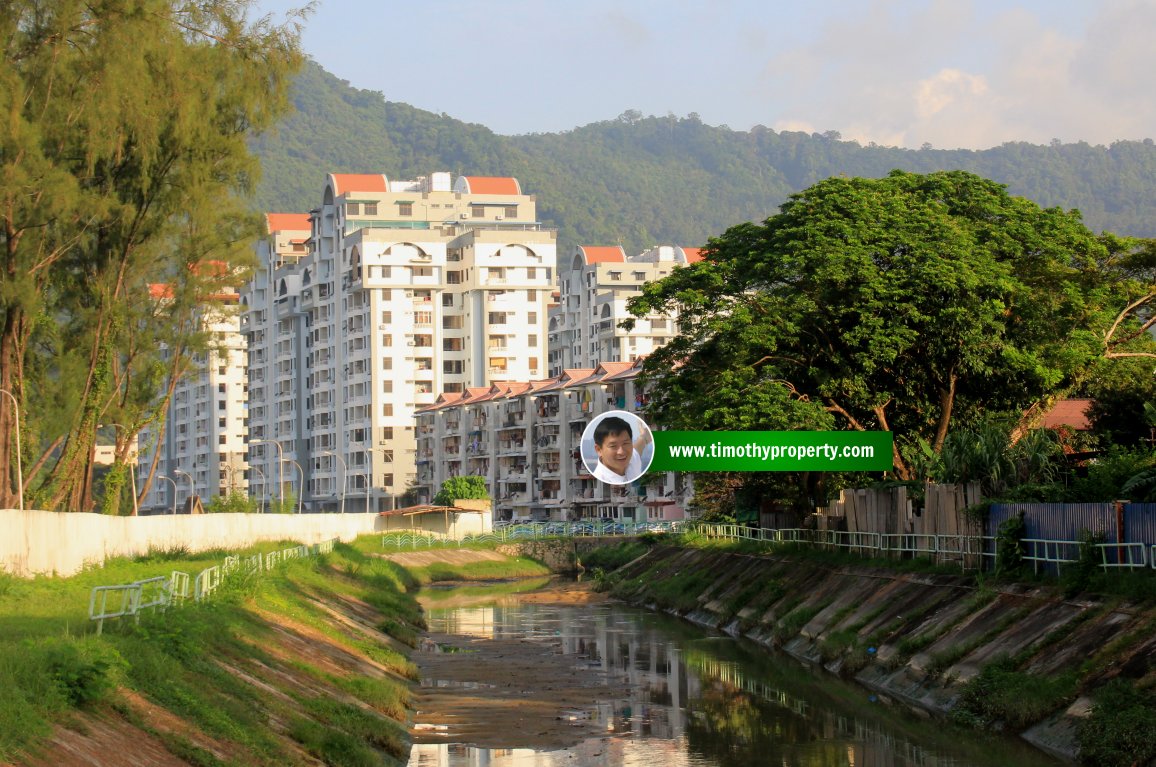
(946, 87)
(955, 75)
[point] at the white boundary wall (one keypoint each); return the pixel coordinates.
(52, 543)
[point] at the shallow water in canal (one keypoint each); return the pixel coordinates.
(521, 681)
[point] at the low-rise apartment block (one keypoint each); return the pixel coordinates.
(524, 438)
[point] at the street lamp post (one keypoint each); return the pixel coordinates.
(131, 472)
(170, 479)
(19, 468)
(300, 483)
(344, 476)
(192, 490)
(264, 489)
(280, 465)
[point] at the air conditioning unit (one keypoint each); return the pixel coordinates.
(382, 326)
(497, 218)
(463, 215)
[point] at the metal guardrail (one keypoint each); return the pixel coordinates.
(129, 599)
(505, 533)
(970, 550)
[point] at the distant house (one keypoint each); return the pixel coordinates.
(1069, 412)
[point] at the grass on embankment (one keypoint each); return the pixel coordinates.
(258, 674)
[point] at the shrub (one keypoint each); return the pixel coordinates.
(1121, 728)
(83, 672)
(1001, 694)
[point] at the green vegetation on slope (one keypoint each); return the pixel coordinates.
(259, 672)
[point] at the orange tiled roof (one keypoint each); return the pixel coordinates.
(693, 255)
(594, 254)
(344, 183)
(159, 290)
(491, 185)
(287, 222)
(1069, 412)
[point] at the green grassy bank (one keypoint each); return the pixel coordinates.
(307, 661)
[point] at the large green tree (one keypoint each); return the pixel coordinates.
(909, 303)
(123, 164)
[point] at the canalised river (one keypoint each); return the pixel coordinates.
(535, 679)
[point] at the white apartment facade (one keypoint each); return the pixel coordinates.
(202, 445)
(593, 289)
(406, 288)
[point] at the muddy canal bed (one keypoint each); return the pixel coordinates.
(549, 673)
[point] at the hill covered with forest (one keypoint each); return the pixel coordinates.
(640, 180)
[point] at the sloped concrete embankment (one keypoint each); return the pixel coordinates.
(913, 638)
(561, 555)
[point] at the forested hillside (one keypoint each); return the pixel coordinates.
(641, 180)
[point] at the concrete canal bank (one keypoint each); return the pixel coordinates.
(917, 639)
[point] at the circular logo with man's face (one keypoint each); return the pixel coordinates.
(617, 447)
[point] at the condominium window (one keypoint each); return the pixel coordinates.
(352, 209)
(386, 318)
(531, 272)
(532, 318)
(639, 275)
(532, 340)
(451, 344)
(447, 299)
(454, 278)
(387, 386)
(371, 208)
(478, 211)
(511, 211)
(423, 340)
(405, 209)
(452, 322)
(423, 318)
(387, 340)
(387, 409)
(453, 367)
(387, 432)
(422, 271)
(497, 318)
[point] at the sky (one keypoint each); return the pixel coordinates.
(953, 74)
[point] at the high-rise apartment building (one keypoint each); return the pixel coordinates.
(398, 290)
(594, 286)
(202, 445)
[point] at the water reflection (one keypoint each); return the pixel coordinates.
(696, 699)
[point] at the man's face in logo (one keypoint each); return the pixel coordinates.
(615, 451)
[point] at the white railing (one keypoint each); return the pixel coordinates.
(968, 550)
(129, 599)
